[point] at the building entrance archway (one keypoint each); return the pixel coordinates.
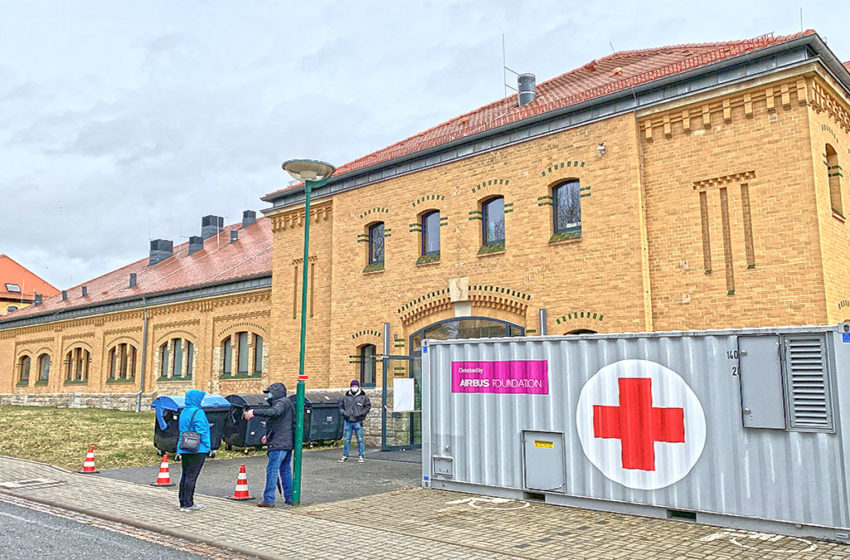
(403, 429)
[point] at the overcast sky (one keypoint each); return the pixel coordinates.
(121, 122)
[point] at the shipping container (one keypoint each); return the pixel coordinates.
(737, 428)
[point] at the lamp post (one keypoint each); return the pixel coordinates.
(314, 174)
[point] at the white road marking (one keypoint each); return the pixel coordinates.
(733, 537)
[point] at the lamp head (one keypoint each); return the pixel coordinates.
(308, 169)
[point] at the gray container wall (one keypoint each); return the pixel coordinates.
(769, 474)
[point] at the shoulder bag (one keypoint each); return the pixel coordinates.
(190, 441)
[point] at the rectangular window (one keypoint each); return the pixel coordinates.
(367, 365)
(190, 358)
(227, 358)
(163, 360)
(44, 372)
(431, 233)
(258, 353)
(242, 356)
(376, 243)
(566, 203)
(178, 358)
(13, 288)
(494, 221)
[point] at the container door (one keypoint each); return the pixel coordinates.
(544, 461)
(762, 398)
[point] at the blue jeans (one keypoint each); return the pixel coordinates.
(357, 427)
(279, 460)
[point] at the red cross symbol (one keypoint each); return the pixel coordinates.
(638, 424)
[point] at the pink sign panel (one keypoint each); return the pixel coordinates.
(530, 377)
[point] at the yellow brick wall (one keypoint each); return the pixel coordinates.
(205, 323)
(757, 137)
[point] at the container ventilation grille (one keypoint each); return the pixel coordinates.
(808, 382)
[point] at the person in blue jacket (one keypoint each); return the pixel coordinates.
(193, 419)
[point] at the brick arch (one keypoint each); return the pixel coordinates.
(122, 338)
(487, 298)
(580, 321)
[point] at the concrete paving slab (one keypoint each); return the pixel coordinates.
(323, 478)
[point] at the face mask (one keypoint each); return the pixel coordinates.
(354, 389)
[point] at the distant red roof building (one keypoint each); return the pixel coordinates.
(219, 261)
(18, 285)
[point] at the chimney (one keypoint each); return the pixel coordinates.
(161, 249)
(248, 217)
(234, 235)
(37, 301)
(133, 281)
(85, 291)
(64, 295)
(211, 225)
(196, 243)
(526, 84)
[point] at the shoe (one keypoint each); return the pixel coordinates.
(344, 459)
(196, 507)
(184, 508)
(290, 503)
(264, 504)
(361, 460)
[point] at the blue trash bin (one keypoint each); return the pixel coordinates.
(168, 409)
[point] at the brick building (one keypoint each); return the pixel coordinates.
(686, 187)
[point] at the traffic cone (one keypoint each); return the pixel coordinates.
(241, 494)
(163, 478)
(88, 464)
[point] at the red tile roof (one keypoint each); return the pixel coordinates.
(610, 74)
(847, 65)
(13, 273)
(219, 261)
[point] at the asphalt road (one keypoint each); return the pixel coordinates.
(26, 534)
(323, 478)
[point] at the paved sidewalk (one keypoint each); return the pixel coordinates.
(411, 523)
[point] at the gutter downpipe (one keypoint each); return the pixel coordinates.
(144, 357)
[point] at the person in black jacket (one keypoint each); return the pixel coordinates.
(280, 437)
(354, 407)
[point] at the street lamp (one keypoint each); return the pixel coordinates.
(314, 174)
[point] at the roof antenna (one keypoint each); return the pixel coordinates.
(505, 70)
(801, 18)
(613, 51)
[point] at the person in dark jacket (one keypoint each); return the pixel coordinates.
(280, 437)
(354, 407)
(192, 419)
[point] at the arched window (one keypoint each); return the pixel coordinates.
(122, 361)
(367, 365)
(566, 204)
(833, 171)
(493, 218)
(431, 233)
(176, 359)
(581, 331)
(43, 368)
(24, 370)
(376, 243)
(242, 355)
(77, 362)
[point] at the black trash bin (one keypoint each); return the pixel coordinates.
(239, 432)
(168, 408)
(322, 418)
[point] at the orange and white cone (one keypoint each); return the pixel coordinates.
(88, 464)
(241, 492)
(164, 477)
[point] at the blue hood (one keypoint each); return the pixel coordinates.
(194, 397)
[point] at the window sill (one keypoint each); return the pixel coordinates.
(22, 384)
(565, 237)
(373, 268)
(128, 380)
(241, 376)
(492, 249)
(167, 379)
(425, 260)
(75, 382)
(41, 383)
(839, 216)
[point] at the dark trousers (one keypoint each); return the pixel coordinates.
(192, 464)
